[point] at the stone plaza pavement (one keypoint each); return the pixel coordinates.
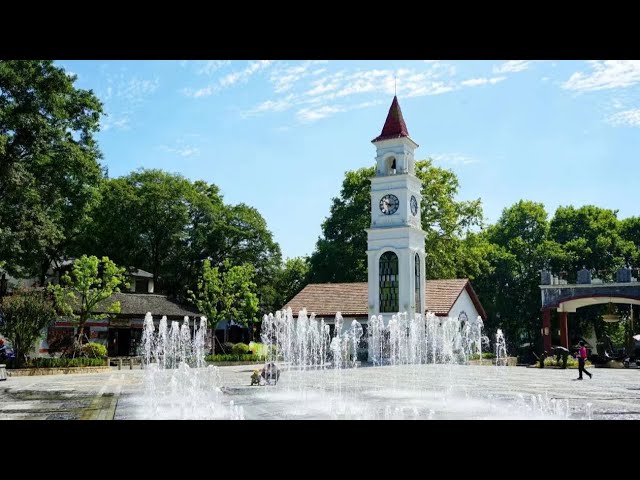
(426, 391)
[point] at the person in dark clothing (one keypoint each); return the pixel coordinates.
(561, 353)
(582, 358)
(271, 373)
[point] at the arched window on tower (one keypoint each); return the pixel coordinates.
(389, 283)
(391, 166)
(417, 285)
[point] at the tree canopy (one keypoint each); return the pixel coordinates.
(49, 166)
(23, 316)
(90, 282)
(226, 293)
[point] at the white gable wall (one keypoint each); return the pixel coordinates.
(464, 304)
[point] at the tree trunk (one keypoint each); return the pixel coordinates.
(81, 332)
(17, 352)
(156, 261)
(214, 339)
(42, 278)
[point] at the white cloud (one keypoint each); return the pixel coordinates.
(284, 78)
(474, 82)
(208, 67)
(367, 104)
(316, 94)
(229, 79)
(122, 96)
(605, 75)
(272, 106)
(135, 89)
(625, 118)
(182, 151)
(130, 90)
(307, 115)
(313, 114)
(453, 158)
(202, 92)
(116, 122)
(512, 66)
(244, 75)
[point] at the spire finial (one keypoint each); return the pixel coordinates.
(395, 85)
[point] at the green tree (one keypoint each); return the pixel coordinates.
(340, 253)
(292, 278)
(630, 231)
(237, 234)
(509, 288)
(81, 293)
(141, 220)
(446, 222)
(23, 317)
(111, 228)
(165, 224)
(592, 238)
(48, 162)
(226, 294)
(151, 209)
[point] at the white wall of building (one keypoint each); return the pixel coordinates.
(464, 304)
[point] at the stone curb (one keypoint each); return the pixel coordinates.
(29, 372)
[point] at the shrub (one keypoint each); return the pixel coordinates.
(44, 362)
(485, 356)
(94, 350)
(235, 358)
(240, 349)
(257, 348)
(227, 348)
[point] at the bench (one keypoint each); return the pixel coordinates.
(118, 361)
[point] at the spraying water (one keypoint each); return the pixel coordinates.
(305, 343)
(177, 383)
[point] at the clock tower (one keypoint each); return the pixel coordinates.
(396, 256)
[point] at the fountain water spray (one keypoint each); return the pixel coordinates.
(177, 383)
(304, 343)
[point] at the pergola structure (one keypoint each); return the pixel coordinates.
(567, 298)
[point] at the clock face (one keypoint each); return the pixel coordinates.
(414, 206)
(389, 204)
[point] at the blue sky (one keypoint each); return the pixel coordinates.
(279, 135)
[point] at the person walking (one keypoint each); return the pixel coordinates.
(582, 358)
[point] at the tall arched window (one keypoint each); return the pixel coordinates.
(389, 283)
(417, 284)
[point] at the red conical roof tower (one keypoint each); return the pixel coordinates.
(394, 126)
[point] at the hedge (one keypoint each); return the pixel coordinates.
(235, 358)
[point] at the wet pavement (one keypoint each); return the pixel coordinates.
(406, 392)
